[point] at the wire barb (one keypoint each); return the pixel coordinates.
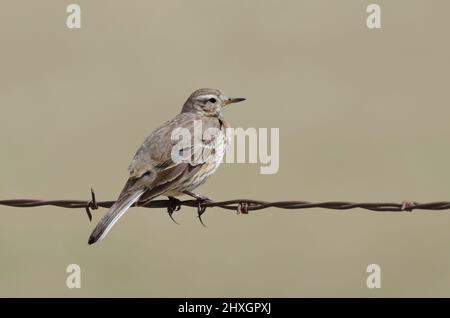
(92, 204)
(408, 206)
(242, 208)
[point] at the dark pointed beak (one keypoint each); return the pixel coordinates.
(234, 100)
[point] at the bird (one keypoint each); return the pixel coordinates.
(165, 166)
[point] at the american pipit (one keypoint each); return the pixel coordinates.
(164, 166)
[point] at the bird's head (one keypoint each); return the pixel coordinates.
(208, 101)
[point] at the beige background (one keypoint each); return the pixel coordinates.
(363, 116)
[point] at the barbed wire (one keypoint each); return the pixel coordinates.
(238, 205)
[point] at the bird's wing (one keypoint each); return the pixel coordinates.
(155, 151)
(155, 154)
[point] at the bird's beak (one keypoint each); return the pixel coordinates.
(233, 100)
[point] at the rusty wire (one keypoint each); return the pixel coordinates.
(239, 205)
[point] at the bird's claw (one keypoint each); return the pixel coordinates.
(174, 205)
(201, 209)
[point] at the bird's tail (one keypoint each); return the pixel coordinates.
(115, 212)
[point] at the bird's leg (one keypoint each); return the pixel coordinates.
(196, 196)
(174, 205)
(200, 199)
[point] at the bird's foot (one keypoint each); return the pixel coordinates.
(201, 209)
(200, 199)
(174, 205)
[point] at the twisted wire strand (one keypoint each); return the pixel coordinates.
(238, 205)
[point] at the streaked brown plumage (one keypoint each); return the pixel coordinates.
(153, 172)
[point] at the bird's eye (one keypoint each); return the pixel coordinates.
(212, 100)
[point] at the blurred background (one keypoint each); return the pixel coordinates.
(363, 116)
